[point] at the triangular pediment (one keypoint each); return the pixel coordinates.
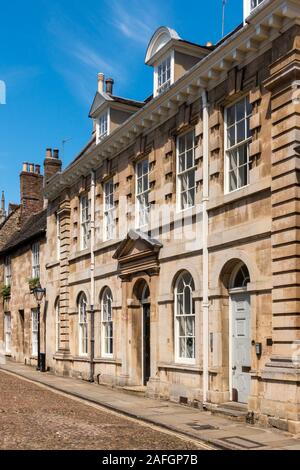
(99, 100)
(135, 245)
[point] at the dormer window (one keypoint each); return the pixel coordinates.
(255, 3)
(102, 126)
(164, 75)
(171, 57)
(249, 6)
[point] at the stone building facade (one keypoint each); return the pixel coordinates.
(171, 262)
(22, 258)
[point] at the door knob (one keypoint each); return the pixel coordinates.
(234, 368)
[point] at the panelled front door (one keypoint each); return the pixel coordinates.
(146, 343)
(241, 347)
(7, 332)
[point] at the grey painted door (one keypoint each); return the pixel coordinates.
(241, 347)
(146, 343)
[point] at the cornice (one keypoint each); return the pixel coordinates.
(263, 26)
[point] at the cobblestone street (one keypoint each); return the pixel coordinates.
(34, 418)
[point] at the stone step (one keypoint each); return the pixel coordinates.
(134, 390)
(232, 405)
(237, 411)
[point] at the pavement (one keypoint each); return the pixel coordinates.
(218, 431)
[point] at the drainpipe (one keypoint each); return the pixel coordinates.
(205, 268)
(92, 280)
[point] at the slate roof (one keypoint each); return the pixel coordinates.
(16, 207)
(33, 228)
(101, 98)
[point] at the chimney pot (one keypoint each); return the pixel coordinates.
(48, 153)
(31, 168)
(56, 153)
(38, 169)
(100, 82)
(109, 86)
(25, 167)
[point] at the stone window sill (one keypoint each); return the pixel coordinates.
(180, 367)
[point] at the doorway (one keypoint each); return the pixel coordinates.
(146, 336)
(240, 336)
(7, 333)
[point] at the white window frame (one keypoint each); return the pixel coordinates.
(34, 332)
(107, 324)
(245, 142)
(103, 125)
(109, 223)
(181, 174)
(7, 332)
(57, 324)
(142, 221)
(35, 250)
(158, 90)
(7, 271)
(178, 358)
(58, 241)
(85, 222)
(83, 326)
(248, 8)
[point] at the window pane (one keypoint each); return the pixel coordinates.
(240, 110)
(249, 107)
(182, 324)
(242, 155)
(140, 185)
(190, 348)
(190, 326)
(241, 131)
(181, 144)
(243, 176)
(182, 352)
(233, 160)
(230, 115)
(179, 304)
(184, 200)
(232, 180)
(190, 159)
(145, 183)
(181, 163)
(191, 179)
(184, 182)
(191, 197)
(231, 136)
(189, 140)
(187, 301)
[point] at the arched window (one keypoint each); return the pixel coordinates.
(185, 319)
(57, 324)
(240, 278)
(107, 324)
(83, 325)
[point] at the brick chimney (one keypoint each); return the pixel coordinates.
(52, 164)
(31, 188)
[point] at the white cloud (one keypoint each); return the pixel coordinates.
(78, 55)
(136, 20)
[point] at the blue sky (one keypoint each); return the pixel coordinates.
(51, 52)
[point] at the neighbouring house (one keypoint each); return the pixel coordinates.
(171, 262)
(22, 265)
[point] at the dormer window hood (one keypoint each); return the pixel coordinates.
(249, 7)
(171, 57)
(109, 111)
